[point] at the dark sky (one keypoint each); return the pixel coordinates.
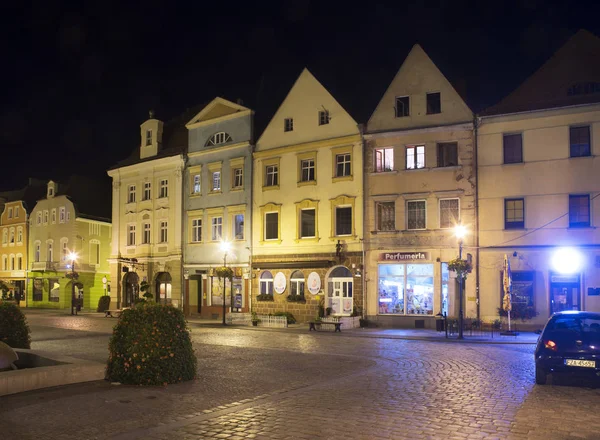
(79, 80)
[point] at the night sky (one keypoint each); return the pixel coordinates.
(78, 81)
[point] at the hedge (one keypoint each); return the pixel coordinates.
(14, 330)
(151, 345)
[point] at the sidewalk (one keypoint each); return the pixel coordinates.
(386, 333)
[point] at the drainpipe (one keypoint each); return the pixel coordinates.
(476, 167)
(361, 129)
(184, 282)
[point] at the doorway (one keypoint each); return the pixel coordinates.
(565, 293)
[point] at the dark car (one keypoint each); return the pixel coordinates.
(569, 343)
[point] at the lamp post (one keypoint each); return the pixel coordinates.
(73, 257)
(225, 246)
(460, 232)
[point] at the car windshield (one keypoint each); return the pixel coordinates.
(575, 324)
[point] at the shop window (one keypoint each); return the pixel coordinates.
(386, 216)
(579, 140)
(513, 148)
(402, 106)
(449, 213)
(514, 213)
(384, 160)
(297, 283)
(434, 103)
(340, 288)
(415, 157)
(445, 290)
(38, 289)
(266, 283)
(53, 289)
(406, 289)
(579, 211)
(416, 214)
(523, 291)
(447, 154)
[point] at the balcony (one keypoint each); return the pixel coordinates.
(42, 266)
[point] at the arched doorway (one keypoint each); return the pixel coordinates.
(163, 287)
(131, 288)
(340, 288)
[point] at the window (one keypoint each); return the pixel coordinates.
(297, 283)
(146, 233)
(513, 148)
(16, 212)
(94, 252)
(10, 212)
(449, 213)
(307, 223)
(402, 106)
(50, 254)
(54, 216)
(266, 283)
(288, 124)
(131, 194)
(65, 250)
(37, 252)
(216, 228)
(68, 216)
(148, 137)
(38, 294)
(343, 220)
(415, 157)
(12, 236)
(579, 141)
(272, 175)
(53, 289)
(163, 232)
(216, 181)
(343, 165)
(131, 235)
(384, 160)
(218, 139)
(4, 262)
(447, 154)
(19, 235)
(238, 226)
(5, 236)
(38, 218)
(307, 170)
(434, 103)
(405, 289)
(164, 188)
(272, 226)
(386, 216)
(238, 177)
(339, 291)
(323, 117)
(579, 211)
(61, 214)
(50, 191)
(147, 191)
(514, 213)
(46, 217)
(19, 262)
(12, 262)
(416, 213)
(196, 230)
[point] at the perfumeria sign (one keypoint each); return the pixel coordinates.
(404, 256)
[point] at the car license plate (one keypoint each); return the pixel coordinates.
(580, 363)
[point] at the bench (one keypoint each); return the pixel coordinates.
(312, 325)
(114, 312)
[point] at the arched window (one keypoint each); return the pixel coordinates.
(12, 262)
(4, 262)
(340, 291)
(19, 262)
(49, 254)
(266, 283)
(218, 139)
(37, 251)
(297, 283)
(19, 234)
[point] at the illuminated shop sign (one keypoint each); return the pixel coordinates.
(404, 256)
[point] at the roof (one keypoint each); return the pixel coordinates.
(570, 77)
(174, 139)
(29, 194)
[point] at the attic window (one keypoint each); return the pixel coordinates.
(402, 106)
(50, 191)
(434, 103)
(148, 137)
(288, 124)
(324, 117)
(218, 139)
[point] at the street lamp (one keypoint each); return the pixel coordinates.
(73, 257)
(460, 231)
(225, 246)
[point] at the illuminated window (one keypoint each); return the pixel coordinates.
(384, 160)
(216, 228)
(449, 213)
(266, 283)
(415, 157)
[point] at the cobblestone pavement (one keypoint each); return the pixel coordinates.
(274, 385)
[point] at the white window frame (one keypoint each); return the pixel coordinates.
(196, 184)
(216, 181)
(131, 234)
(234, 226)
(219, 138)
(297, 285)
(147, 191)
(308, 164)
(343, 159)
(378, 217)
(61, 214)
(417, 150)
(440, 212)
(267, 283)
(385, 153)
(272, 175)
(146, 233)
(196, 229)
(408, 202)
(164, 231)
(216, 228)
(238, 177)
(131, 194)
(164, 189)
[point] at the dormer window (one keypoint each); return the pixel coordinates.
(148, 137)
(324, 117)
(218, 139)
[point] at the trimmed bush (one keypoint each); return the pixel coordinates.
(103, 304)
(290, 318)
(151, 345)
(14, 330)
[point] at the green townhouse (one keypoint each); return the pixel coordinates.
(69, 241)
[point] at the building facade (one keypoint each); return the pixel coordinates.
(539, 187)
(147, 216)
(14, 248)
(217, 192)
(307, 207)
(420, 182)
(60, 226)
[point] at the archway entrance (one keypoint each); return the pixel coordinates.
(163, 287)
(340, 289)
(131, 288)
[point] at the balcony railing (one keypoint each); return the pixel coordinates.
(43, 265)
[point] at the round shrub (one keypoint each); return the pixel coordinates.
(151, 345)
(14, 330)
(103, 304)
